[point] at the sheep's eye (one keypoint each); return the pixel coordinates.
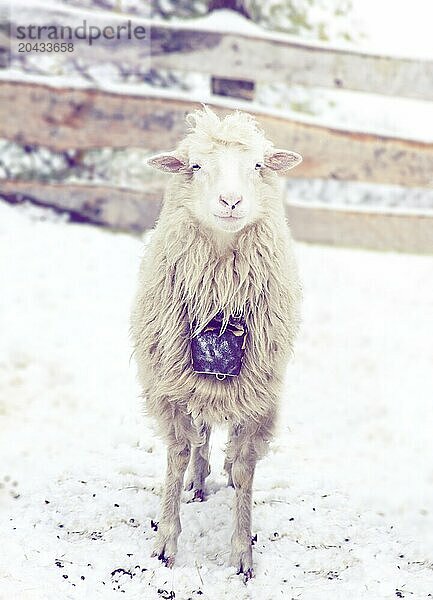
(258, 166)
(195, 167)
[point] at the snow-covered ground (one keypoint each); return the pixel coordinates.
(343, 501)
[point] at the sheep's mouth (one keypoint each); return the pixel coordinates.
(229, 218)
(230, 223)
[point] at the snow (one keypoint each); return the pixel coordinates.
(364, 197)
(342, 503)
(395, 26)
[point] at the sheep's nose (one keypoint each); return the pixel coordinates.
(230, 200)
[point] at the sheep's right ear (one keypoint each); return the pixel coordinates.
(166, 162)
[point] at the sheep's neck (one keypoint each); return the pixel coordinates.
(223, 240)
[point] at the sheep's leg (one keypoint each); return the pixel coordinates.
(247, 444)
(199, 468)
(228, 470)
(227, 463)
(169, 527)
(242, 473)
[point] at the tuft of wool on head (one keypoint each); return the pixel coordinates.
(206, 130)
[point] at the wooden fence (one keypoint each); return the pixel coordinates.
(40, 111)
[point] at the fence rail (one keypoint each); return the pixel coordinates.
(135, 211)
(64, 118)
(271, 58)
(248, 53)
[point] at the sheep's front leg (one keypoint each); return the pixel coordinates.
(246, 445)
(199, 467)
(169, 526)
(242, 473)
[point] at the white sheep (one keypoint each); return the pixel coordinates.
(219, 273)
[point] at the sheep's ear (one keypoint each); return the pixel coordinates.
(282, 160)
(166, 162)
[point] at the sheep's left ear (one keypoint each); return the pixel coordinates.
(167, 162)
(282, 160)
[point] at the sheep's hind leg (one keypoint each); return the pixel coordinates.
(199, 468)
(169, 527)
(227, 463)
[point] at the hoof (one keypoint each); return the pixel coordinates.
(165, 548)
(247, 575)
(167, 561)
(242, 560)
(199, 496)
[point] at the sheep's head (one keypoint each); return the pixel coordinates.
(226, 164)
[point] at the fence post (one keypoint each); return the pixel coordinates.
(234, 88)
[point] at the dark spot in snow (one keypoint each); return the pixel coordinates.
(122, 571)
(65, 576)
(131, 554)
(314, 508)
(47, 501)
(401, 555)
(61, 526)
(166, 595)
(292, 519)
(254, 539)
(154, 525)
(82, 577)
(116, 505)
(346, 539)
(298, 565)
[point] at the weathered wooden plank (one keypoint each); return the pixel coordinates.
(136, 211)
(123, 209)
(62, 118)
(375, 230)
(278, 58)
(248, 54)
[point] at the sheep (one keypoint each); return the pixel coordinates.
(220, 260)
